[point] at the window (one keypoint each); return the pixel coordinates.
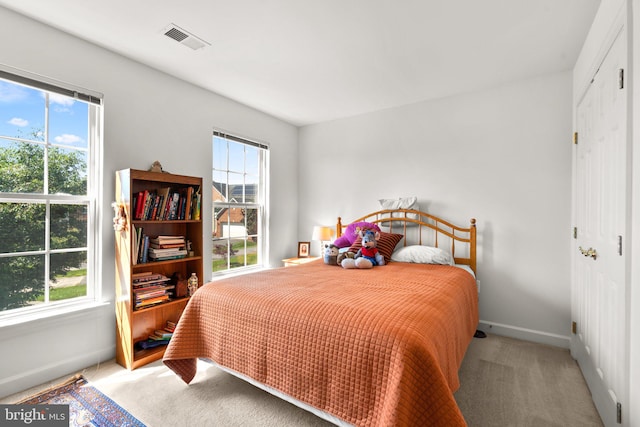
(239, 203)
(49, 136)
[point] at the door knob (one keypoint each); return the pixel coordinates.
(588, 252)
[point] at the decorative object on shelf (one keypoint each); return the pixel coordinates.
(180, 283)
(119, 217)
(156, 167)
(303, 249)
(322, 233)
(193, 284)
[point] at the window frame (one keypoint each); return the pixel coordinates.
(92, 199)
(261, 204)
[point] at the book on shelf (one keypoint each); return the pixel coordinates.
(167, 257)
(144, 251)
(154, 253)
(147, 344)
(164, 194)
(161, 334)
(166, 245)
(148, 288)
(149, 294)
(151, 301)
(195, 203)
(137, 238)
(148, 284)
(164, 334)
(147, 277)
(141, 275)
(189, 203)
(173, 209)
(171, 326)
(168, 240)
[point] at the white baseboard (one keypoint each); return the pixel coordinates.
(525, 334)
(43, 374)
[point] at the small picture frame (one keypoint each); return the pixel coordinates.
(303, 249)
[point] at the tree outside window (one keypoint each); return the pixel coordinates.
(45, 198)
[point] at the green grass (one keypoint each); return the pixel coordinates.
(59, 294)
(236, 261)
(75, 273)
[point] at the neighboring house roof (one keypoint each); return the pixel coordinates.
(235, 191)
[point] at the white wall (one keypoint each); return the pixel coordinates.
(148, 116)
(502, 156)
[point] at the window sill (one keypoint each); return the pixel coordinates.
(51, 315)
(232, 273)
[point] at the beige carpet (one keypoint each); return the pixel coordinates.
(504, 382)
(507, 382)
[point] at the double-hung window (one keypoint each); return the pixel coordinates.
(239, 203)
(49, 139)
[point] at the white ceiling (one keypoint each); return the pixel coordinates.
(312, 61)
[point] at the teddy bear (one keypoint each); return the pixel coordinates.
(331, 254)
(368, 255)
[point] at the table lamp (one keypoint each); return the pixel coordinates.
(322, 233)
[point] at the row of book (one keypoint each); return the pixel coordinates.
(159, 337)
(164, 334)
(150, 289)
(159, 248)
(167, 204)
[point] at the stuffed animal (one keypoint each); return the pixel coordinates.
(345, 255)
(331, 254)
(368, 255)
(119, 217)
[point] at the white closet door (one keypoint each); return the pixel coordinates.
(599, 291)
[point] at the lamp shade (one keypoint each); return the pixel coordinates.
(322, 233)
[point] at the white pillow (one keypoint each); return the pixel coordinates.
(422, 255)
(401, 203)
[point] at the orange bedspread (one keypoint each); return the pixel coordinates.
(379, 347)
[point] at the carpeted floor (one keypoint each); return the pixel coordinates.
(504, 382)
(508, 382)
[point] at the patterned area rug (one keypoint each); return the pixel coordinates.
(88, 407)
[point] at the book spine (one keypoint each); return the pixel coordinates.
(154, 211)
(145, 249)
(139, 205)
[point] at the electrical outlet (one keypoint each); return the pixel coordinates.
(478, 285)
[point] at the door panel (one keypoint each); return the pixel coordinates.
(599, 286)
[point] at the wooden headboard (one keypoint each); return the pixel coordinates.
(421, 228)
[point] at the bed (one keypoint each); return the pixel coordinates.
(374, 347)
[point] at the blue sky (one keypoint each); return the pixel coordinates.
(243, 159)
(22, 111)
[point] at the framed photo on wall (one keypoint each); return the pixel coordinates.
(303, 249)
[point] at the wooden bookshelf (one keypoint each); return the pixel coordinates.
(136, 324)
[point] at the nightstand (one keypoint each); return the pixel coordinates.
(291, 262)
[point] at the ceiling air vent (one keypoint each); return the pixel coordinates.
(184, 37)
